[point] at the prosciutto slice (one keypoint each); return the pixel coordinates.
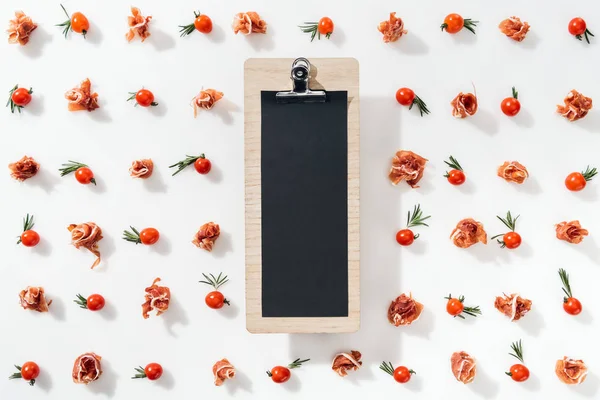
(513, 171)
(206, 236)
(20, 28)
(570, 371)
(393, 29)
(86, 235)
(404, 310)
(205, 100)
(514, 28)
(467, 233)
(87, 368)
(24, 169)
(463, 367)
(33, 298)
(223, 370)
(157, 297)
(248, 22)
(138, 25)
(576, 106)
(141, 168)
(407, 166)
(344, 362)
(571, 232)
(464, 105)
(81, 98)
(513, 306)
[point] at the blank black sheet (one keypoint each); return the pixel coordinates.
(304, 181)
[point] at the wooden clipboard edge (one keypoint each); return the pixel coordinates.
(331, 74)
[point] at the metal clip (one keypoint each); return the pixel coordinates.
(300, 92)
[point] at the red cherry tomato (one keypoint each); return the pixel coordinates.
(85, 176)
(453, 23)
(21, 97)
(456, 177)
(577, 26)
(519, 373)
(145, 98)
(149, 236)
(511, 240)
(30, 238)
(95, 302)
(80, 23)
(405, 237)
(153, 371)
(405, 96)
(30, 371)
(402, 374)
(575, 181)
(572, 306)
(202, 165)
(215, 300)
(203, 24)
(325, 26)
(510, 106)
(454, 307)
(280, 374)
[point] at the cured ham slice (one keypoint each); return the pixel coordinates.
(407, 166)
(571, 232)
(514, 28)
(570, 371)
(81, 98)
(467, 233)
(157, 297)
(513, 306)
(248, 22)
(86, 235)
(141, 168)
(576, 106)
(138, 25)
(87, 368)
(513, 171)
(20, 28)
(205, 100)
(463, 366)
(464, 105)
(344, 362)
(24, 169)
(33, 298)
(223, 370)
(404, 310)
(206, 236)
(393, 29)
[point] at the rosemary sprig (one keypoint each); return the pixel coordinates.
(588, 174)
(17, 375)
(420, 104)
(387, 367)
(10, 101)
(188, 29)
(510, 223)
(140, 373)
(586, 33)
(67, 24)
(416, 218)
(215, 282)
(453, 163)
(297, 363)
(81, 301)
(472, 311)
(515, 94)
(133, 237)
(72, 166)
(470, 25)
(564, 277)
(313, 29)
(189, 160)
(517, 349)
(27, 225)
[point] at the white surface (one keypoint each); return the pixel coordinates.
(190, 337)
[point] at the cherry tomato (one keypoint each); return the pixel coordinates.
(85, 176)
(95, 302)
(21, 97)
(153, 371)
(510, 106)
(405, 96)
(454, 307)
(215, 300)
(203, 24)
(511, 240)
(79, 23)
(575, 181)
(402, 374)
(30, 371)
(30, 238)
(202, 165)
(325, 26)
(456, 177)
(519, 373)
(149, 236)
(280, 374)
(577, 26)
(405, 237)
(144, 98)
(453, 23)
(572, 306)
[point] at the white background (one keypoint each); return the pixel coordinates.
(189, 338)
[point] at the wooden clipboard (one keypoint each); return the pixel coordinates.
(330, 74)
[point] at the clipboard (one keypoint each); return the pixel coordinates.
(302, 137)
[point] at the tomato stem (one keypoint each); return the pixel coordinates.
(269, 374)
(515, 94)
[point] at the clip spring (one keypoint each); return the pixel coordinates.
(300, 92)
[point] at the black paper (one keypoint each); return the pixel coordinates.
(304, 174)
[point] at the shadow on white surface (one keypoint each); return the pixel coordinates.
(107, 383)
(585, 317)
(38, 39)
(410, 44)
(419, 246)
(484, 121)
(524, 119)
(160, 110)
(167, 380)
(100, 115)
(463, 37)
(260, 41)
(467, 188)
(338, 37)
(107, 249)
(44, 248)
(241, 382)
(588, 247)
(93, 36)
(215, 175)
(423, 327)
(175, 315)
(231, 311)
(532, 384)
(532, 323)
(363, 374)
(530, 42)
(223, 245)
(162, 247)
(415, 384)
(589, 387)
(483, 253)
(225, 110)
(294, 384)
(483, 385)
(217, 35)
(588, 194)
(425, 185)
(44, 381)
(590, 122)
(45, 179)
(155, 183)
(57, 308)
(36, 107)
(161, 40)
(109, 312)
(530, 186)
(525, 250)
